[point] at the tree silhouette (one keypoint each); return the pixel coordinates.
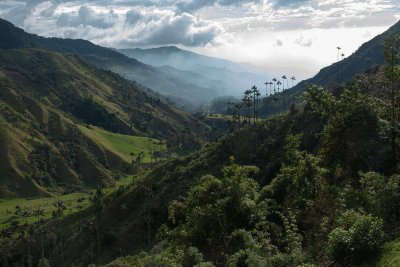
(90, 229)
(254, 91)
(97, 201)
(293, 79)
(337, 63)
(57, 214)
(247, 103)
(39, 212)
(283, 92)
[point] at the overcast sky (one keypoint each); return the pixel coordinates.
(292, 37)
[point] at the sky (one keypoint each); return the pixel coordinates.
(291, 37)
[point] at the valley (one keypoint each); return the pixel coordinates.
(157, 156)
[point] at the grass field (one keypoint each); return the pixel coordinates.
(120, 144)
(7, 206)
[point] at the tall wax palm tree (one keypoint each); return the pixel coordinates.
(254, 91)
(266, 96)
(283, 92)
(341, 71)
(247, 103)
(57, 214)
(337, 63)
(274, 81)
(278, 84)
(270, 88)
(276, 98)
(97, 201)
(39, 212)
(258, 94)
(293, 79)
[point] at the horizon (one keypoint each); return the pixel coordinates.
(275, 36)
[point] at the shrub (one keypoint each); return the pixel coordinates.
(356, 239)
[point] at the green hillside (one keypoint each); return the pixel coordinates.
(47, 99)
(122, 145)
(281, 192)
(168, 83)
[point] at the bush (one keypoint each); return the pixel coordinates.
(356, 239)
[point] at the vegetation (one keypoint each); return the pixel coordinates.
(316, 186)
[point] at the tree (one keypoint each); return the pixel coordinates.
(97, 201)
(337, 63)
(39, 212)
(392, 56)
(25, 231)
(356, 239)
(90, 229)
(57, 215)
(349, 135)
(247, 103)
(293, 79)
(283, 92)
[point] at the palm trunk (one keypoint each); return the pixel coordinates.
(98, 239)
(91, 248)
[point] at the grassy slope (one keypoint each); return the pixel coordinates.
(7, 206)
(46, 95)
(120, 144)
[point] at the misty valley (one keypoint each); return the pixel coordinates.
(199, 133)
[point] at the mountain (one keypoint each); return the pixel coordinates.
(317, 165)
(368, 55)
(229, 77)
(167, 83)
(52, 106)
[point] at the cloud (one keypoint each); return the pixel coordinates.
(133, 17)
(86, 16)
(289, 3)
(168, 28)
(193, 5)
(302, 41)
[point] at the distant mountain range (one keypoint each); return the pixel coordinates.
(199, 81)
(226, 77)
(54, 104)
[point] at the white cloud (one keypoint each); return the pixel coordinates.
(277, 34)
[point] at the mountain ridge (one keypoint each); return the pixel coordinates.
(154, 78)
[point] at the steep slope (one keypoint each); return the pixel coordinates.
(368, 55)
(229, 77)
(44, 98)
(159, 80)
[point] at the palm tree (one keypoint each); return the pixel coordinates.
(293, 79)
(283, 92)
(57, 214)
(274, 81)
(98, 204)
(254, 91)
(278, 84)
(39, 212)
(247, 103)
(341, 71)
(270, 88)
(337, 63)
(24, 231)
(90, 229)
(258, 94)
